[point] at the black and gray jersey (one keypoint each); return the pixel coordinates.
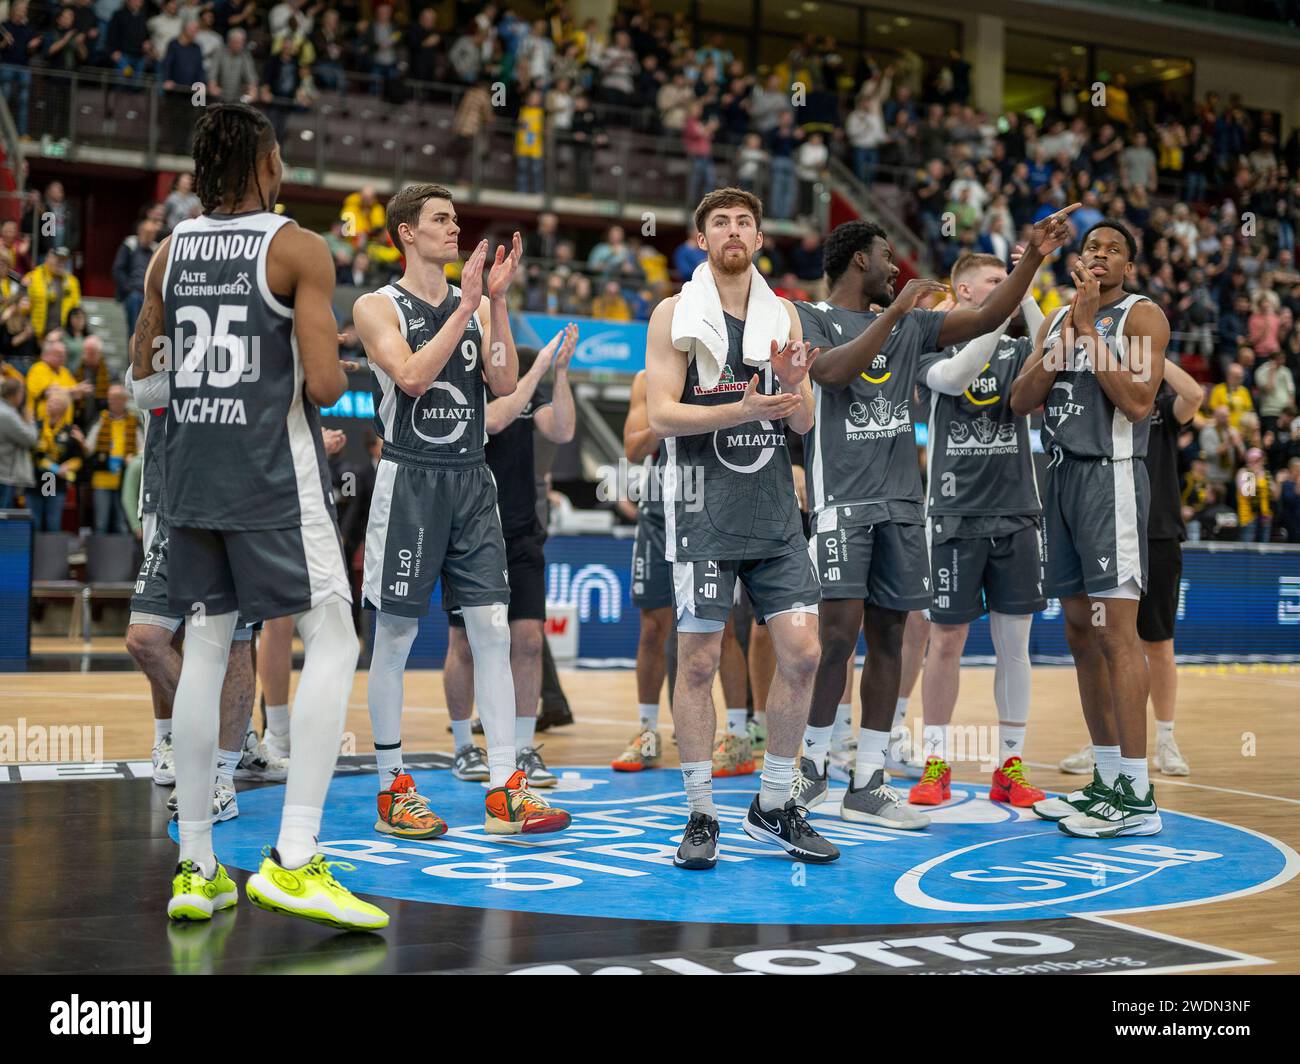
(1078, 417)
(860, 456)
(977, 456)
(650, 490)
(729, 494)
(243, 443)
(155, 460)
(446, 426)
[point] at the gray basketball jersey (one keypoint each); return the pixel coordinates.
(978, 456)
(243, 444)
(446, 425)
(650, 502)
(1078, 417)
(155, 458)
(729, 494)
(860, 457)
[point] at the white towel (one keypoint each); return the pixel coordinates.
(700, 331)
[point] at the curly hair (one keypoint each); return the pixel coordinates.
(846, 241)
(229, 138)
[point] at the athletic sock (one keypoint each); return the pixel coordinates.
(1135, 768)
(161, 729)
(525, 729)
(934, 741)
(277, 719)
(196, 844)
(775, 782)
(1012, 738)
(388, 760)
(227, 762)
(817, 744)
(737, 722)
(872, 747)
(648, 714)
(462, 733)
(1164, 730)
(1107, 758)
(697, 776)
(900, 713)
(501, 765)
(760, 717)
(299, 829)
(843, 727)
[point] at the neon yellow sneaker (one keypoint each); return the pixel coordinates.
(195, 897)
(313, 893)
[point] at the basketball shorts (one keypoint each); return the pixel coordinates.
(526, 574)
(886, 564)
(705, 592)
(976, 575)
(1159, 606)
(1094, 525)
(150, 603)
(427, 523)
(652, 574)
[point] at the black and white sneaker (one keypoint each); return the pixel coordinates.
(809, 787)
(787, 828)
(699, 848)
(470, 764)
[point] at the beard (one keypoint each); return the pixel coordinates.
(730, 261)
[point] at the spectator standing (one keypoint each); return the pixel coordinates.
(1254, 499)
(114, 440)
(380, 40)
(76, 331)
(182, 69)
(130, 49)
(751, 163)
(697, 139)
(50, 374)
(165, 26)
(1276, 387)
(618, 70)
(232, 76)
(130, 267)
(53, 290)
(1222, 449)
(588, 135)
(66, 47)
(18, 436)
(425, 48)
(57, 458)
(1287, 488)
(21, 347)
(281, 86)
(471, 124)
(1232, 394)
(58, 225)
(1137, 165)
(688, 255)
(93, 382)
(19, 41)
(607, 257)
(1264, 328)
(181, 203)
(530, 135)
(610, 304)
(865, 126)
(810, 167)
(328, 47)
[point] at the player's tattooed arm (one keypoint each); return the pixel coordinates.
(1029, 389)
(639, 439)
(838, 366)
(1132, 385)
(149, 339)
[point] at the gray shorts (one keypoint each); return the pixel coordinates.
(1095, 525)
(884, 565)
(149, 602)
(998, 574)
(705, 592)
(652, 574)
(427, 523)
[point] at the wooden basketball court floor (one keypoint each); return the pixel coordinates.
(94, 849)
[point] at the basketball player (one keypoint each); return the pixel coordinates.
(240, 298)
(510, 422)
(1097, 367)
(864, 481)
(731, 512)
(1176, 403)
(434, 349)
(983, 515)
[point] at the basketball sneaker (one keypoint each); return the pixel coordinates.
(809, 786)
(515, 810)
(787, 828)
(1119, 812)
(935, 787)
(530, 763)
(1169, 759)
(1056, 809)
(258, 763)
(1080, 764)
(899, 763)
(470, 764)
(841, 760)
(878, 803)
(276, 745)
(164, 762)
(699, 847)
(225, 806)
(405, 812)
(1010, 784)
(757, 735)
(641, 753)
(312, 893)
(195, 897)
(733, 756)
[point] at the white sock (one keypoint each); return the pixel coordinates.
(388, 760)
(462, 733)
(776, 781)
(843, 727)
(649, 715)
(817, 744)
(1107, 758)
(161, 729)
(501, 764)
(872, 747)
(277, 719)
(737, 722)
(1164, 730)
(934, 739)
(227, 762)
(697, 776)
(299, 830)
(760, 717)
(525, 728)
(196, 842)
(1135, 768)
(1012, 739)
(900, 713)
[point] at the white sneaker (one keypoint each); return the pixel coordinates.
(278, 745)
(164, 762)
(225, 806)
(1170, 760)
(259, 763)
(1080, 764)
(841, 760)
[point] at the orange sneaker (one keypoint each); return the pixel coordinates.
(515, 810)
(1010, 785)
(935, 787)
(405, 812)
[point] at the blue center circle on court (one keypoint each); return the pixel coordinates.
(978, 860)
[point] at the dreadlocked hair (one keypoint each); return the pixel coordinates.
(228, 139)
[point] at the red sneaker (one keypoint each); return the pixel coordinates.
(404, 812)
(935, 787)
(1011, 785)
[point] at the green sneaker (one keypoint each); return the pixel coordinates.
(1057, 809)
(195, 897)
(313, 893)
(757, 735)
(1119, 812)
